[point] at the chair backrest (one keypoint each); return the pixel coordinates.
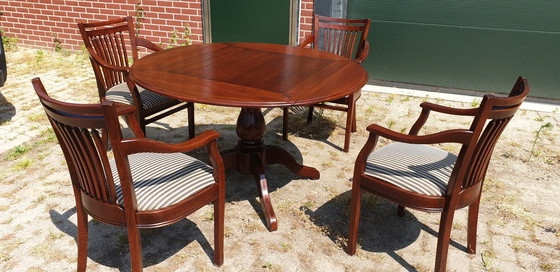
(109, 41)
(344, 37)
(492, 117)
(77, 129)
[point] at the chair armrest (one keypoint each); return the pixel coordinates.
(427, 107)
(208, 138)
(307, 40)
(139, 145)
(148, 44)
(449, 110)
(217, 163)
(363, 53)
(461, 136)
(131, 117)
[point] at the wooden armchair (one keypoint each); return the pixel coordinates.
(148, 184)
(346, 38)
(414, 174)
(107, 45)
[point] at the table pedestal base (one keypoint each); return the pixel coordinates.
(251, 156)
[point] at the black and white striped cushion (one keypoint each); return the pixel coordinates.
(120, 93)
(418, 168)
(163, 179)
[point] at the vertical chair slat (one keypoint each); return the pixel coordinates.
(106, 167)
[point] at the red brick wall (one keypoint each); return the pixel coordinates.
(306, 18)
(37, 23)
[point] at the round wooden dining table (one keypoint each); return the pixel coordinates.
(251, 76)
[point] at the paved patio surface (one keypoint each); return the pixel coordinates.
(519, 222)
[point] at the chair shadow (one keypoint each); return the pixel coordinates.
(7, 109)
(380, 230)
(108, 245)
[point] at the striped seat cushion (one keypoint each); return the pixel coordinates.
(163, 179)
(120, 93)
(418, 168)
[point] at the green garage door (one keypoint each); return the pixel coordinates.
(473, 45)
(265, 21)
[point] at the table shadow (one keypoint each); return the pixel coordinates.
(239, 187)
(320, 129)
(108, 245)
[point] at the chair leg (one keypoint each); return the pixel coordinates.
(285, 123)
(350, 116)
(400, 211)
(135, 248)
(82, 238)
(190, 111)
(310, 114)
(219, 207)
(446, 223)
(472, 226)
(354, 126)
(355, 207)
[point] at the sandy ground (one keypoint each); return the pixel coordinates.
(519, 222)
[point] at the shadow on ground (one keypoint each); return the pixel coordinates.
(7, 109)
(320, 128)
(381, 230)
(106, 241)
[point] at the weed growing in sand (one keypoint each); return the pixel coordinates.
(475, 103)
(487, 259)
(17, 152)
(122, 240)
(22, 164)
(9, 43)
(55, 235)
(547, 267)
(35, 117)
(208, 215)
(285, 246)
(538, 134)
(309, 204)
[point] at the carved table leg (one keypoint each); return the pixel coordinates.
(251, 156)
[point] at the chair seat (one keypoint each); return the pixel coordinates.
(121, 94)
(418, 168)
(163, 179)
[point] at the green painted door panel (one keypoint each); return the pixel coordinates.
(473, 45)
(265, 21)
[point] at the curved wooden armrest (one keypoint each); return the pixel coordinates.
(307, 40)
(427, 107)
(105, 64)
(208, 138)
(123, 109)
(217, 163)
(448, 110)
(148, 44)
(364, 53)
(461, 136)
(131, 117)
(139, 145)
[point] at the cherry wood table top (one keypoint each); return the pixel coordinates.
(249, 75)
